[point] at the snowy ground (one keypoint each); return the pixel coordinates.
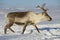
(48, 30)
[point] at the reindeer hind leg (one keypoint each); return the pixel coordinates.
(5, 29)
(8, 27)
(11, 30)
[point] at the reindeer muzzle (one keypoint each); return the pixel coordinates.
(50, 19)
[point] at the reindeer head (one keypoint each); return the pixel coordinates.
(44, 14)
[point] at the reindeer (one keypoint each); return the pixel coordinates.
(26, 18)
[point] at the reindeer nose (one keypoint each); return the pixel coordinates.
(50, 19)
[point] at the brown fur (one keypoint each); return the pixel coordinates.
(17, 14)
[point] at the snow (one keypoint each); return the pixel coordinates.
(48, 30)
(46, 33)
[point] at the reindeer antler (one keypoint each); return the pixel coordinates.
(38, 6)
(42, 7)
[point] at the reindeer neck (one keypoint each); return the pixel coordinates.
(38, 18)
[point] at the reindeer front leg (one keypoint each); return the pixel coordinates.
(24, 28)
(36, 27)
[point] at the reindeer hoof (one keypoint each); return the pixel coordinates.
(38, 31)
(22, 32)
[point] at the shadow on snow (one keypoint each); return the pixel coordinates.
(48, 29)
